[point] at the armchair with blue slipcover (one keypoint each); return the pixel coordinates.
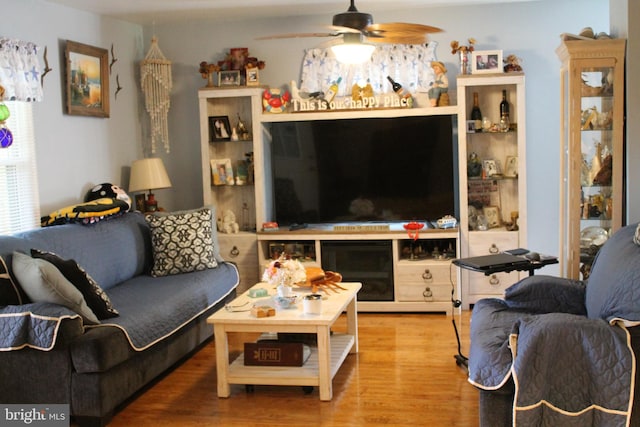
(560, 352)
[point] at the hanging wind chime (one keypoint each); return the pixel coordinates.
(155, 78)
(6, 137)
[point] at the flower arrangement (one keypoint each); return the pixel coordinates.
(455, 46)
(463, 51)
(284, 271)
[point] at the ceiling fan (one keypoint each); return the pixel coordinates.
(355, 27)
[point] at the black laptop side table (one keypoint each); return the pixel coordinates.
(529, 265)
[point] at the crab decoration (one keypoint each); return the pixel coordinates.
(318, 279)
(275, 100)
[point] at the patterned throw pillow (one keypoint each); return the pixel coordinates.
(97, 300)
(182, 242)
(636, 236)
(9, 292)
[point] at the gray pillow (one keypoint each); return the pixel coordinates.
(43, 282)
(182, 242)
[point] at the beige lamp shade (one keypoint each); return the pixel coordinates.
(148, 174)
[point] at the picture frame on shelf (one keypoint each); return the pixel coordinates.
(140, 202)
(219, 128)
(511, 167)
(491, 167)
(492, 214)
(229, 78)
(87, 80)
(253, 77)
(486, 62)
(222, 172)
(471, 126)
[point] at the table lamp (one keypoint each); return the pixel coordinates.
(148, 174)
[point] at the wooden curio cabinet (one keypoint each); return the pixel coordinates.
(591, 152)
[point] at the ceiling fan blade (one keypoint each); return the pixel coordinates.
(402, 28)
(341, 30)
(296, 35)
(399, 33)
(397, 39)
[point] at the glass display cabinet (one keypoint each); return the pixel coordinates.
(591, 158)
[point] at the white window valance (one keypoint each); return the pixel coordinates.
(410, 65)
(20, 70)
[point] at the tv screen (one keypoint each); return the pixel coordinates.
(355, 170)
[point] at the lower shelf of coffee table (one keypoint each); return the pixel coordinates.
(305, 375)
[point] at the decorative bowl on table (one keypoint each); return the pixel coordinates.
(285, 302)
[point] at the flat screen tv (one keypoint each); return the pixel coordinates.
(361, 170)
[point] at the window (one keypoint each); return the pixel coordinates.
(19, 204)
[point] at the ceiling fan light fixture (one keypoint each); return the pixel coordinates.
(352, 50)
(352, 53)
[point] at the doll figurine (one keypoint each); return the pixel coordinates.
(441, 84)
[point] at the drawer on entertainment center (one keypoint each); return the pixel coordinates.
(425, 272)
(423, 292)
(242, 250)
(491, 242)
(424, 281)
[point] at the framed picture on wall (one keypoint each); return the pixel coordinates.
(486, 61)
(87, 80)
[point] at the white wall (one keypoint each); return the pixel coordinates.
(74, 152)
(530, 30)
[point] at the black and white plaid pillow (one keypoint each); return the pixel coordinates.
(182, 242)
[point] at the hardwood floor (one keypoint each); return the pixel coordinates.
(404, 375)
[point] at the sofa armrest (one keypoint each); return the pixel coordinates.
(547, 294)
(40, 326)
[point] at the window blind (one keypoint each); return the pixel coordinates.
(19, 203)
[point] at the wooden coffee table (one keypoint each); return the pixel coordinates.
(325, 360)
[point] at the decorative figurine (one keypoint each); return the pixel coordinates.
(440, 86)
(512, 64)
(275, 100)
(228, 224)
(359, 93)
(474, 166)
(241, 130)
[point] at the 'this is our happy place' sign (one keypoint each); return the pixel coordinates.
(372, 102)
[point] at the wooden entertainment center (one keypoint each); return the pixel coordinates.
(424, 282)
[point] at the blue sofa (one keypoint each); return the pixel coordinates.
(563, 352)
(52, 354)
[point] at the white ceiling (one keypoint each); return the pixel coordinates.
(147, 12)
